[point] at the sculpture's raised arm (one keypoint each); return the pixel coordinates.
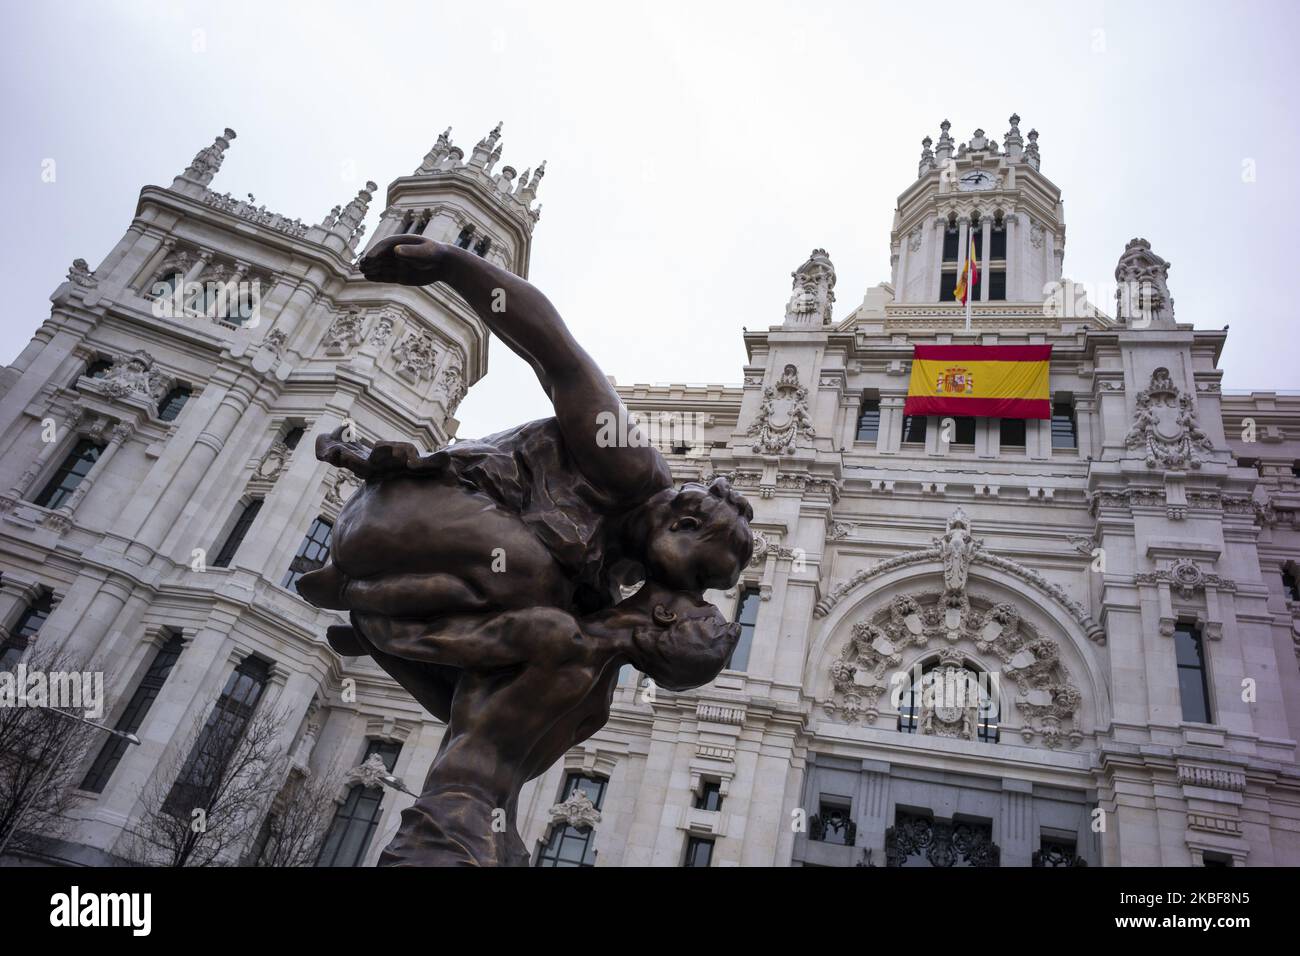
(521, 316)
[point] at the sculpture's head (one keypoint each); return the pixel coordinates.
(685, 642)
(693, 537)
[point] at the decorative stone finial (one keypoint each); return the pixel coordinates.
(927, 157)
(1013, 142)
(1031, 151)
(208, 160)
(943, 149)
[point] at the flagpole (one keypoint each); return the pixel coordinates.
(968, 298)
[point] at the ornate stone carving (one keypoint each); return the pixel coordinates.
(783, 418)
(943, 844)
(135, 374)
(577, 811)
(341, 487)
(814, 292)
(1142, 289)
(80, 274)
(370, 774)
(957, 549)
(273, 462)
(761, 546)
(452, 385)
(383, 330)
(1165, 429)
(1186, 577)
(415, 356)
(345, 333)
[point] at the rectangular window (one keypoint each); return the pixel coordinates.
(312, 553)
(74, 469)
(1193, 685)
(998, 243)
(1290, 585)
(947, 286)
(951, 237)
(1056, 852)
(357, 817)
(914, 429)
(1065, 431)
(699, 851)
(218, 742)
(570, 846)
(710, 796)
(136, 710)
(833, 824)
(25, 628)
(1011, 433)
(869, 420)
(237, 533)
(997, 285)
(746, 617)
(963, 432)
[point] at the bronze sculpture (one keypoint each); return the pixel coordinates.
(486, 577)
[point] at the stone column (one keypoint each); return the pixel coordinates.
(963, 242)
(1014, 290)
(936, 258)
(985, 243)
(1015, 831)
(15, 596)
(145, 261)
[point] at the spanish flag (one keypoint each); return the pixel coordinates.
(970, 275)
(986, 381)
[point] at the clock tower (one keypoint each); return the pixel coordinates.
(992, 195)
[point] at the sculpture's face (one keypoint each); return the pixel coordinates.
(696, 538)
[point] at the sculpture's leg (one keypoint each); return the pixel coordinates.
(455, 826)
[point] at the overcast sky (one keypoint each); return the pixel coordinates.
(696, 152)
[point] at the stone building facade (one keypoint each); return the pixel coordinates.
(966, 642)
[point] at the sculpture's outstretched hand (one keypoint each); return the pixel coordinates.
(404, 260)
(384, 459)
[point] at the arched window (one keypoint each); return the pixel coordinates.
(173, 402)
(466, 237)
(484, 244)
(950, 700)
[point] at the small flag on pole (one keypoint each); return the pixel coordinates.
(966, 282)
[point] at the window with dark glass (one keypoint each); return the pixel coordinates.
(172, 404)
(1290, 584)
(976, 233)
(70, 473)
(951, 237)
(98, 368)
(710, 796)
(914, 429)
(482, 247)
(570, 846)
(997, 285)
(998, 242)
(357, 818)
(948, 690)
(25, 628)
(1065, 432)
(312, 553)
(699, 851)
(833, 824)
(1193, 683)
(1011, 432)
(293, 436)
(747, 618)
(869, 419)
(963, 430)
(1212, 859)
(947, 286)
(466, 237)
(1056, 852)
(137, 709)
(236, 537)
(218, 742)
